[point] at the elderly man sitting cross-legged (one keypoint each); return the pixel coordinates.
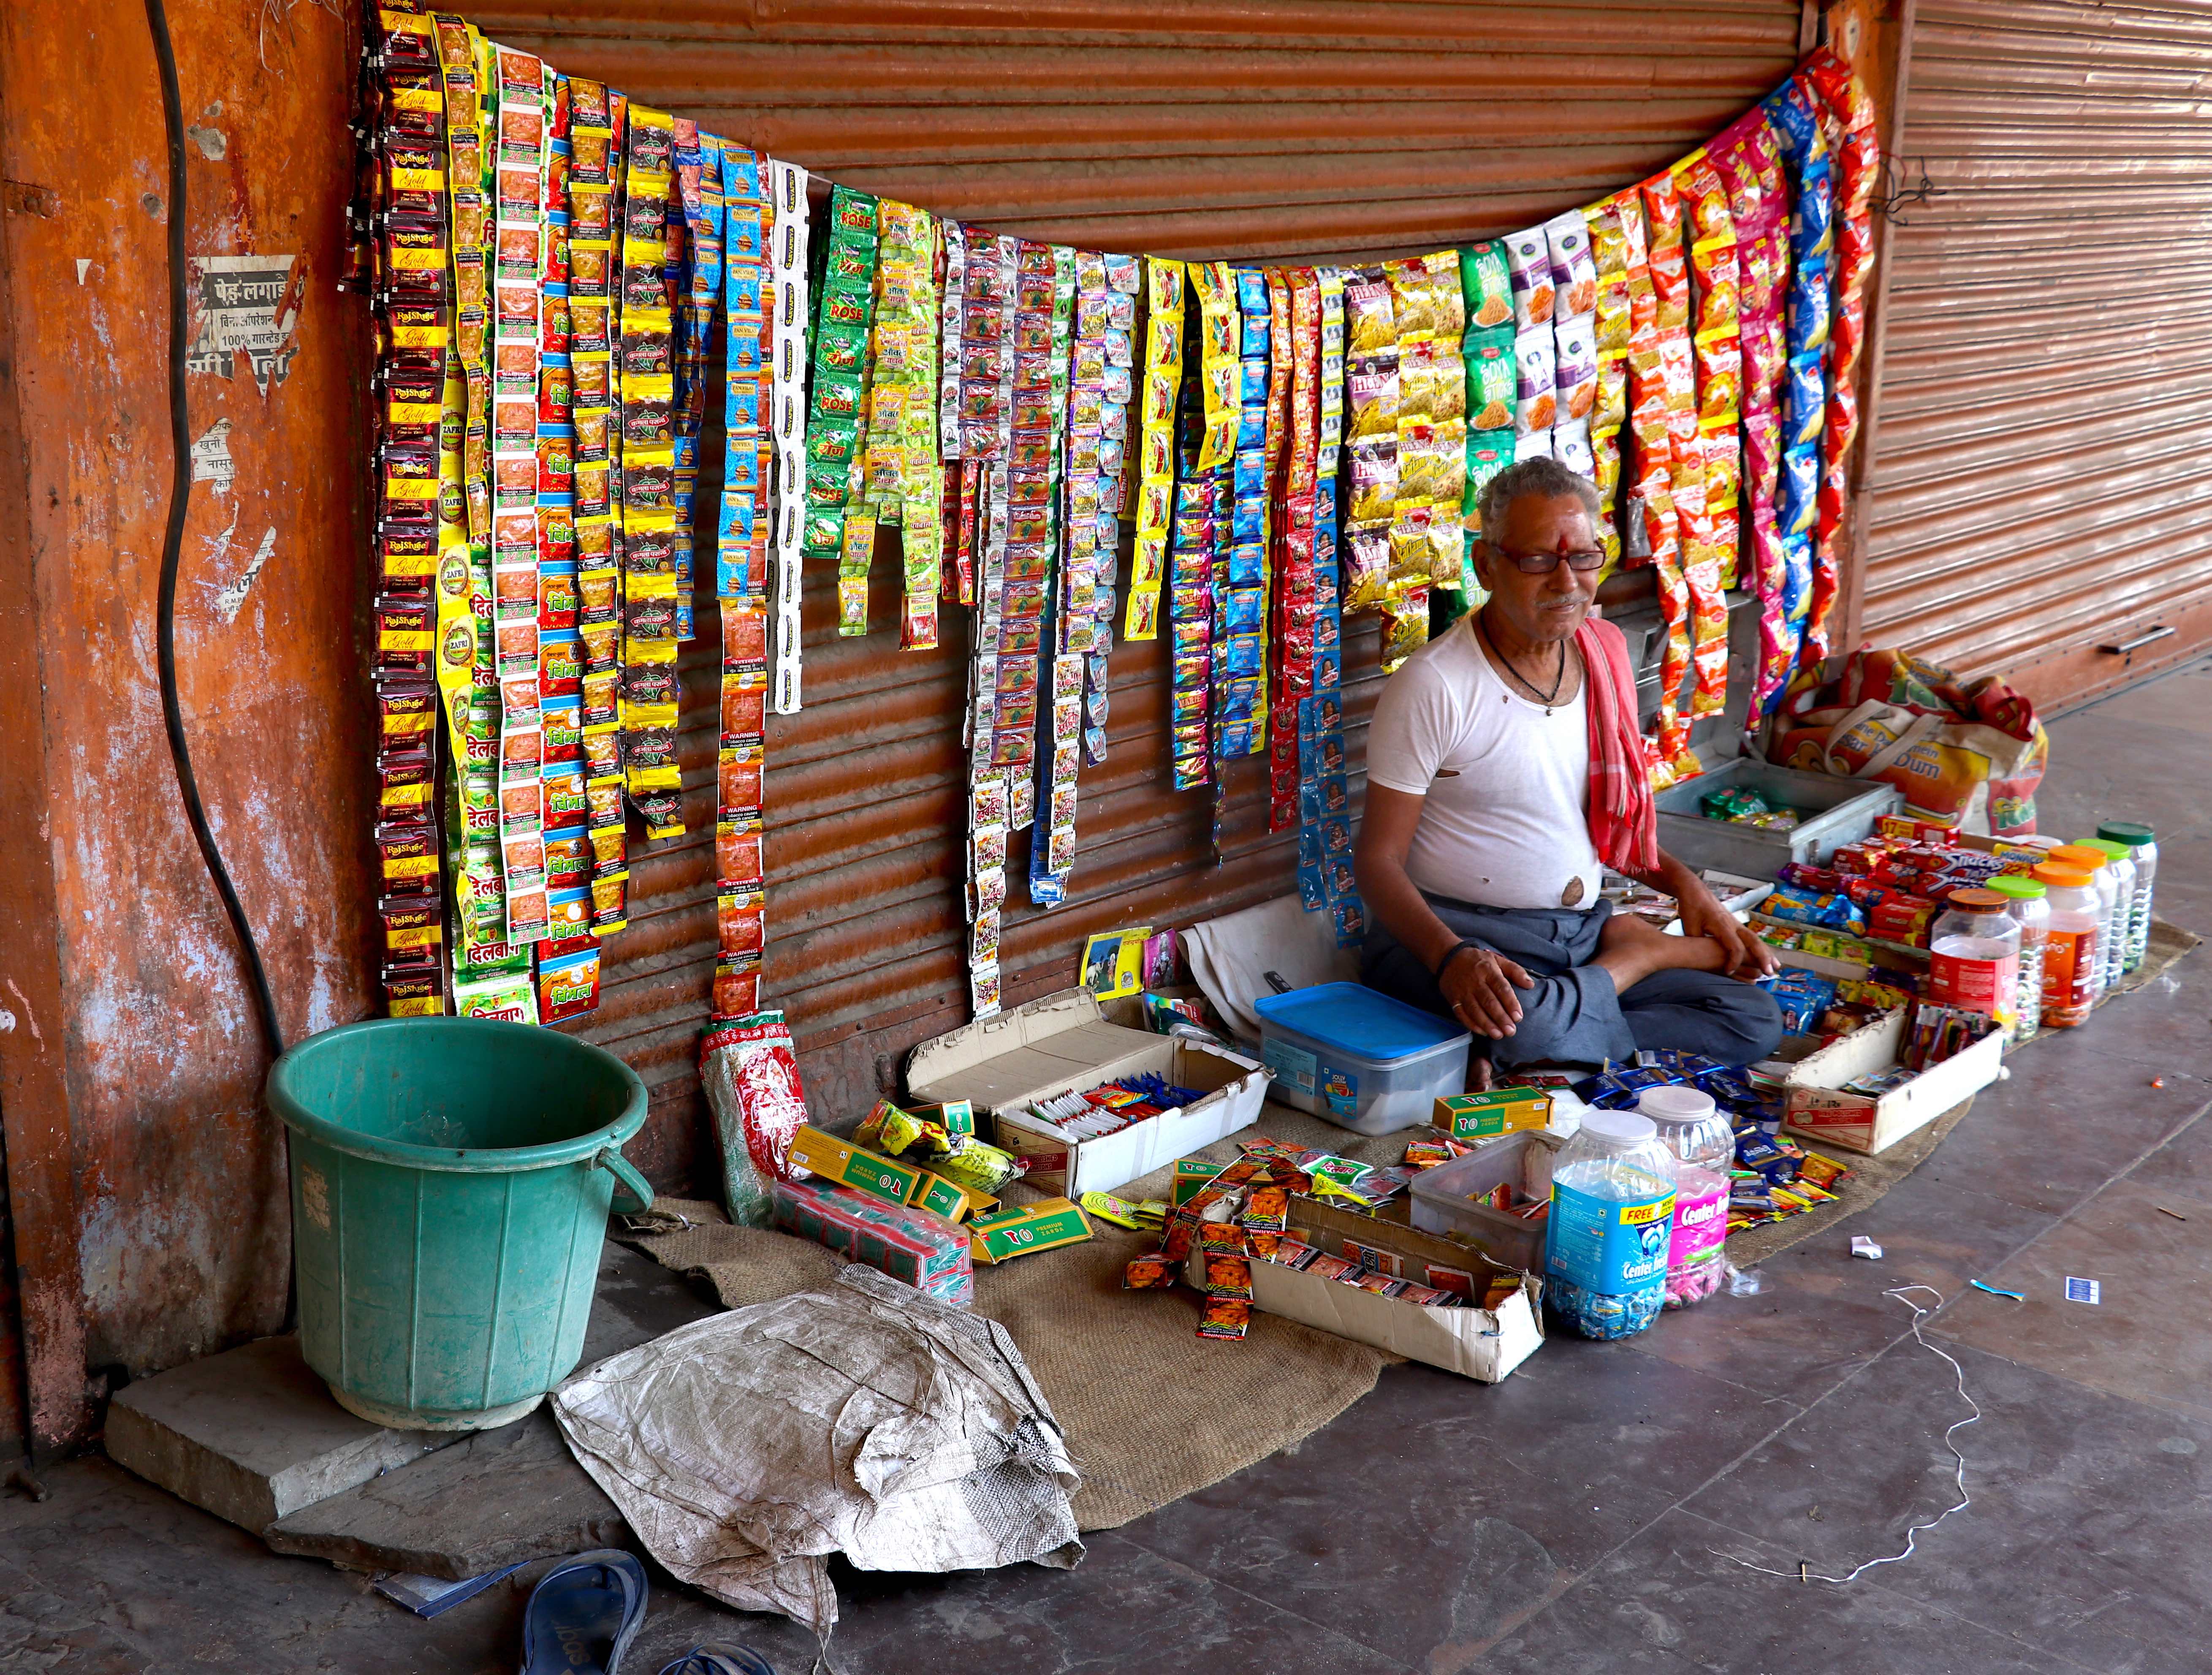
(1504, 772)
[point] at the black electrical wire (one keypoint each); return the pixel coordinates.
(172, 542)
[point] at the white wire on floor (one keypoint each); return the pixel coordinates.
(1803, 1573)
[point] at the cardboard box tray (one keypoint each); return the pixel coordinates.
(1820, 1111)
(1061, 1044)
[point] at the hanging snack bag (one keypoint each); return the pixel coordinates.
(1575, 366)
(1536, 383)
(749, 1071)
(1574, 269)
(1492, 380)
(1528, 264)
(1486, 286)
(1570, 447)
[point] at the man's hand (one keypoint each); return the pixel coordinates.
(1743, 954)
(1480, 986)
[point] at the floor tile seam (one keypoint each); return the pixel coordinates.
(1909, 1603)
(1258, 1599)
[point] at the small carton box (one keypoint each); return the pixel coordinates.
(1061, 1044)
(949, 1198)
(834, 1159)
(1191, 1176)
(1487, 1116)
(1477, 1343)
(1818, 1109)
(1047, 1224)
(925, 1251)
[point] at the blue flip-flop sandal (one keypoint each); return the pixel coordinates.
(584, 1614)
(719, 1657)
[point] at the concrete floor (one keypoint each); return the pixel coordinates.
(1582, 1516)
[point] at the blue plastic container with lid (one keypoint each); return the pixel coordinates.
(1357, 1057)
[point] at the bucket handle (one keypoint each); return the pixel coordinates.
(627, 1180)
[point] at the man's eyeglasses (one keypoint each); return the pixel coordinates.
(1542, 564)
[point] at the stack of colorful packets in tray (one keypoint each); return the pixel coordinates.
(1113, 1106)
(1848, 119)
(421, 512)
(1241, 1212)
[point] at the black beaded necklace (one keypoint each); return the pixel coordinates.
(1546, 699)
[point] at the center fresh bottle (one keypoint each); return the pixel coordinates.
(1698, 1136)
(1611, 1223)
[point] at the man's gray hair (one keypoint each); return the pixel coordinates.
(1543, 477)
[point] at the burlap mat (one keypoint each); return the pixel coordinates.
(1152, 1411)
(1871, 1177)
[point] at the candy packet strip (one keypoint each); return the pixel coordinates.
(903, 479)
(422, 519)
(1104, 373)
(1156, 450)
(1662, 393)
(1717, 359)
(1002, 688)
(1750, 159)
(837, 522)
(1794, 111)
(695, 284)
(520, 264)
(1370, 437)
(645, 405)
(1295, 490)
(1857, 155)
(1241, 595)
(786, 226)
(1062, 667)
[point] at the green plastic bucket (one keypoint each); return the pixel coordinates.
(451, 1179)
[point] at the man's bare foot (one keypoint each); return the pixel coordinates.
(1629, 950)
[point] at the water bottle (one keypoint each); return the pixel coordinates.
(2142, 843)
(1611, 1223)
(1698, 1139)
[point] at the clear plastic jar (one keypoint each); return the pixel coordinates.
(2025, 901)
(2141, 844)
(2098, 865)
(2122, 860)
(1691, 1127)
(1973, 955)
(2069, 944)
(1611, 1223)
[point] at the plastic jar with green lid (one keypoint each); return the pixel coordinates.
(2025, 900)
(2143, 847)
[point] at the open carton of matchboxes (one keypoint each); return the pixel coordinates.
(1062, 1044)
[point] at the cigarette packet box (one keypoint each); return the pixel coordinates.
(1063, 1044)
(1025, 1230)
(1487, 1116)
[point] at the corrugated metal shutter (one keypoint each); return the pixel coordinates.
(2043, 462)
(1279, 129)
